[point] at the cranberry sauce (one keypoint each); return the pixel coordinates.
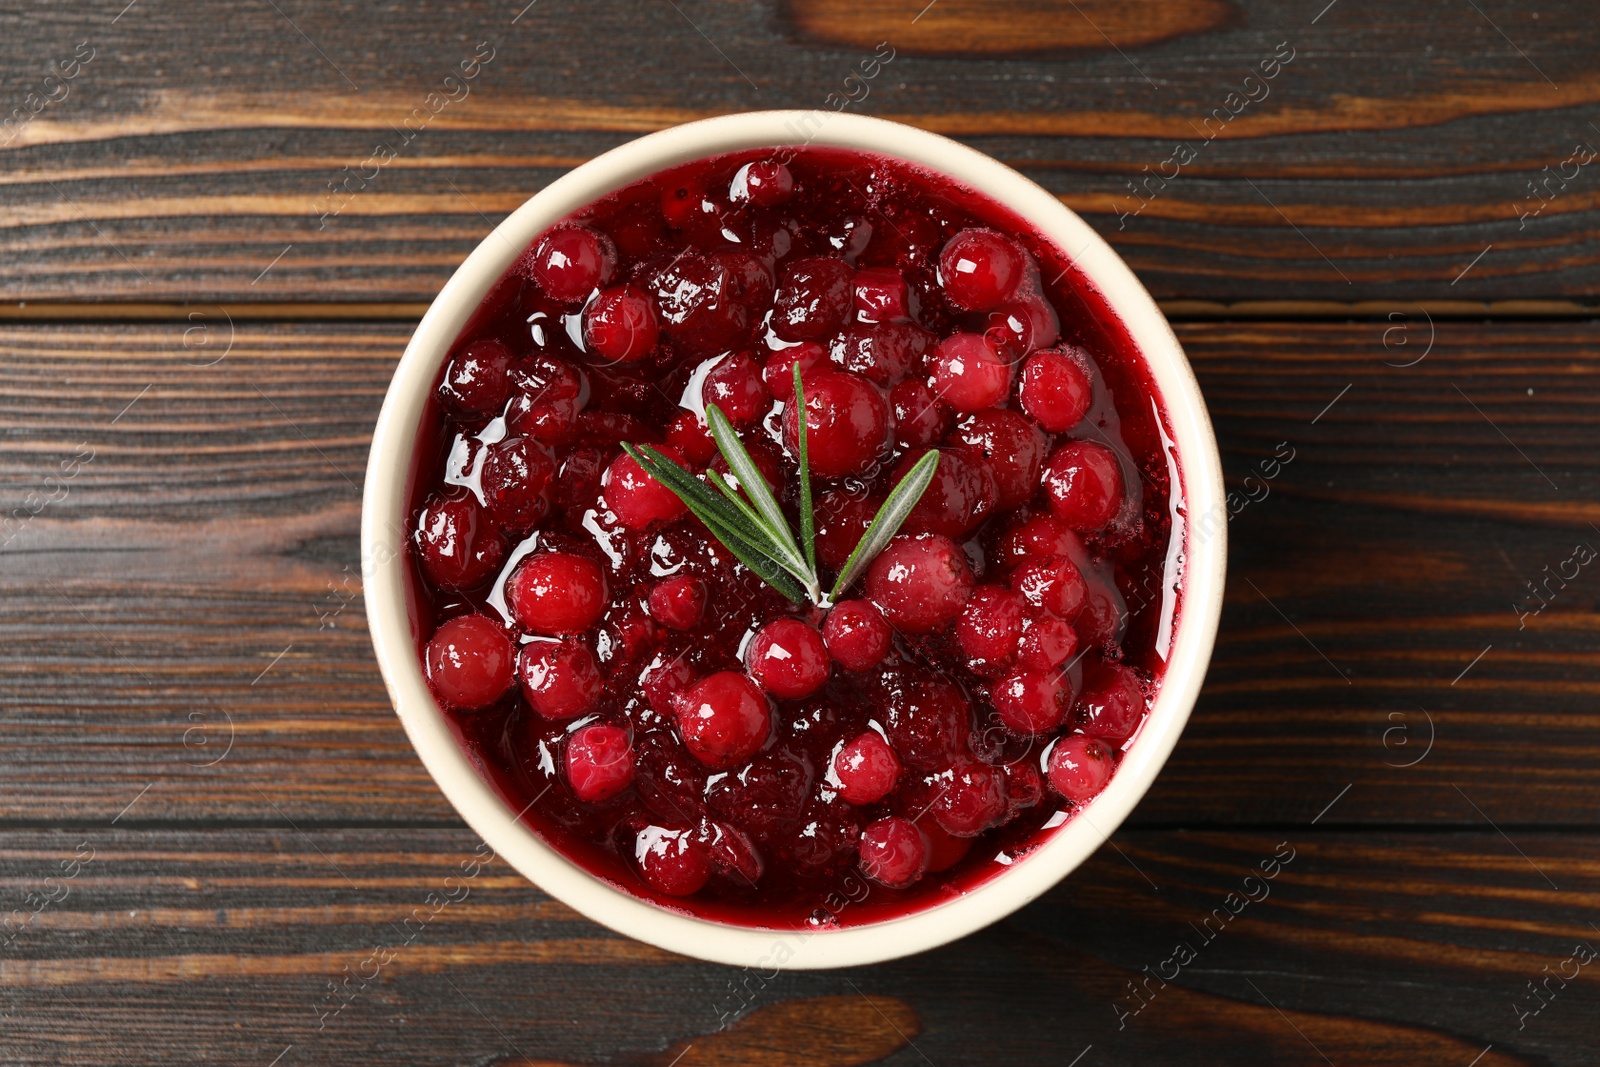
(673, 723)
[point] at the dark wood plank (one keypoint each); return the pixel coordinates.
(197, 582)
(241, 945)
(1394, 148)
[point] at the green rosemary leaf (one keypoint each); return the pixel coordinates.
(750, 479)
(808, 518)
(791, 562)
(886, 523)
(752, 556)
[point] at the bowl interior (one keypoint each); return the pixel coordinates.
(1198, 533)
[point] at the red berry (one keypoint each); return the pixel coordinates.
(635, 498)
(884, 352)
(570, 261)
(1024, 785)
(857, 635)
(920, 583)
(663, 679)
(1078, 767)
(477, 379)
(842, 519)
(958, 499)
(969, 373)
(847, 424)
(735, 386)
(866, 768)
(549, 396)
(724, 720)
(944, 851)
(1112, 704)
(620, 325)
(763, 183)
(1032, 702)
(893, 852)
(814, 298)
(469, 662)
(560, 679)
(1047, 642)
(778, 372)
(731, 851)
(1038, 536)
(788, 658)
(1025, 325)
(972, 799)
(1083, 482)
(712, 303)
(1052, 583)
(882, 295)
(1014, 449)
(672, 861)
(689, 434)
(927, 718)
(1055, 389)
(599, 762)
(458, 545)
(920, 417)
(557, 593)
(518, 480)
(990, 625)
(678, 602)
(979, 268)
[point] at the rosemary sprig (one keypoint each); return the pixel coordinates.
(753, 526)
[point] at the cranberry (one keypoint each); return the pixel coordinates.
(842, 520)
(1055, 389)
(469, 662)
(712, 303)
(884, 353)
(893, 852)
(857, 635)
(550, 395)
(1084, 484)
(518, 480)
(882, 295)
(927, 719)
(560, 679)
(847, 424)
(678, 602)
(867, 769)
(979, 268)
(669, 783)
(778, 372)
(972, 798)
(990, 625)
(920, 583)
(788, 658)
(578, 481)
(766, 797)
(620, 325)
(1024, 785)
(599, 762)
(672, 861)
(814, 298)
(960, 496)
(1047, 642)
(458, 545)
(662, 679)
(1039, 535)
(731, 851)
(1078, 767)
(1112, 704)
(920, 418)
(764, 184)
(1025, 325)
(724, 720)
(569, 262)
(736, 388)
(1032, 702)
(1014, 448)
(477, 379)
(1053, 583)
(635, 498)
(557, 593)
(969, 373)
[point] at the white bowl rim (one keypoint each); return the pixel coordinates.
(382, 533)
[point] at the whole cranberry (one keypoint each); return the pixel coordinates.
(847, 424)
(1032, 702)
(1055, 389)
(920, 417)
(620, 325)
(678, 602)
(960, 497)
(1037, 535)
(814, 298)
(518, 480)
(689, 434)
(469, 662)
(724, 720)
(569, 262)
(765, 797)
(672, 861)
(882, 295)
(866, 768)
(991, 625)
(894, 852)
(1025, 325)
(884, 353)
(778, 373)
(973, 799)
(1024, 785)
(670, 784)
(979, 269)
(920, 583)
(477, 379)
(557, 593)
(1083, 482)
(549, 395)
(560, 679)
(578, 481)
(599, 762)
(1078, 767)
(637, 499)
(788, 658)
(1047, 641)
(663, 679)
(1014, 448)
(735, 386)
(458, 545)
(712, 303)
(842, 520)
(857, 635)
(1112, 704)
(1052, 583)
(969, 373)
(764, 183)
(928, 719)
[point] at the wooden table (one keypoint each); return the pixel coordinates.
(1375, 228)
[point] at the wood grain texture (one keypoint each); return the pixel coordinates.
(1396, 146)
(236, 945)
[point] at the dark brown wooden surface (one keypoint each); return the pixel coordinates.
(210, 821)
